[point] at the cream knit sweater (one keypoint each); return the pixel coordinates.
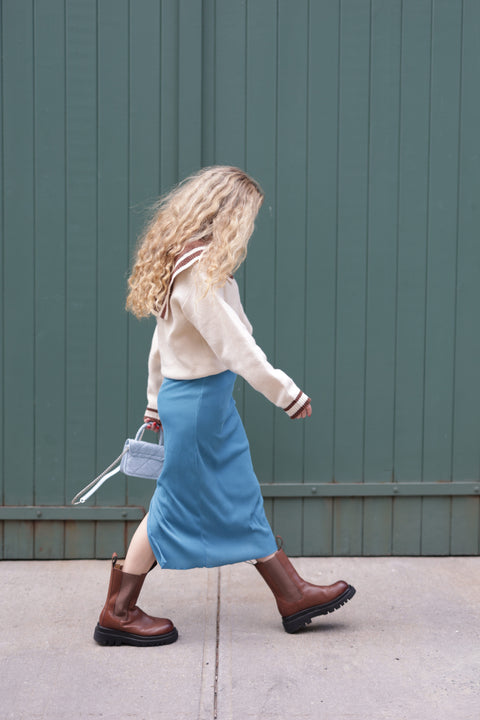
(202, 335)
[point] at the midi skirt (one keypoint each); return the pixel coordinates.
(207, 509)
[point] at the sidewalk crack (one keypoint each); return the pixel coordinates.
(217, 647)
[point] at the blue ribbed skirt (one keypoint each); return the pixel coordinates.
(207, 509)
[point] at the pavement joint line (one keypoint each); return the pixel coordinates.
(217, 647)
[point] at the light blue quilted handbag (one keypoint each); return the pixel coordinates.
(138, 459)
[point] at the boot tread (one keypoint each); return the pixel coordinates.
(108, 636)
(298, 620)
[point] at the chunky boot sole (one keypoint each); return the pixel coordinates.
(107, 636)
(292, 623)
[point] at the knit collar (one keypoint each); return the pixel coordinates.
(190, 254)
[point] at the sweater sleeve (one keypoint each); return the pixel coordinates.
(155, 378)
(233, 344)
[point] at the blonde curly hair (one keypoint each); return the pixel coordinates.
(218, 205)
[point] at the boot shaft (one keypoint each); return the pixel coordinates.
(282, 579)
(292, 593)
(123, 591)
(121, 622)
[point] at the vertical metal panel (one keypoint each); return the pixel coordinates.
(49, 540)
(208, 82)
(230, 75)
(81, 243)
(18, 258)
(169, 91)
(317, 527)
(113, 242)
(2, 298)
(352, 229)
(321, 228)
(382, 240)
(110, 537)
(441, 268)
(347, 526)
(465, 535)
(190, 87)
(18, 268)
(49, 163)
(381, 270)
(406, 526)
(259, 296)
(144, 178)
(19, 539)
(49, 344)
(360, 120)
(377, 526)
(411, 267)
(80, 540)
(441, 238)
(351, 239)
(2, 294)
(228, 112)
(466, 459)
(291, 164)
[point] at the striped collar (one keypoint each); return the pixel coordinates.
(188, 257)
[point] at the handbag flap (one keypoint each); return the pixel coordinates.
(143, 459)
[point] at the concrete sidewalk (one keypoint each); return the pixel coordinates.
(406, 647)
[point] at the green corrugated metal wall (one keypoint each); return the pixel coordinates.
(360, 119)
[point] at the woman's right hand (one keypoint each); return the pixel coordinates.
(306, 412)
(152, 423)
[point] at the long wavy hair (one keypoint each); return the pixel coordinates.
(218, 205)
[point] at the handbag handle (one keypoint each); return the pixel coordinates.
(142, 429)
(93, 486)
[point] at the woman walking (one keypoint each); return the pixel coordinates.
(207, 509)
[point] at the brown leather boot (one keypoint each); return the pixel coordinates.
(297, 600)
(121, 622)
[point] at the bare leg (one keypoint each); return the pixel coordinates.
(140, 557)
(264, 559)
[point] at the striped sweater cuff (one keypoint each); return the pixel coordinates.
(152, 413)
(300, 403)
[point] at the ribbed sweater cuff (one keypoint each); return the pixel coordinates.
(300, 403)
(152, 413)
